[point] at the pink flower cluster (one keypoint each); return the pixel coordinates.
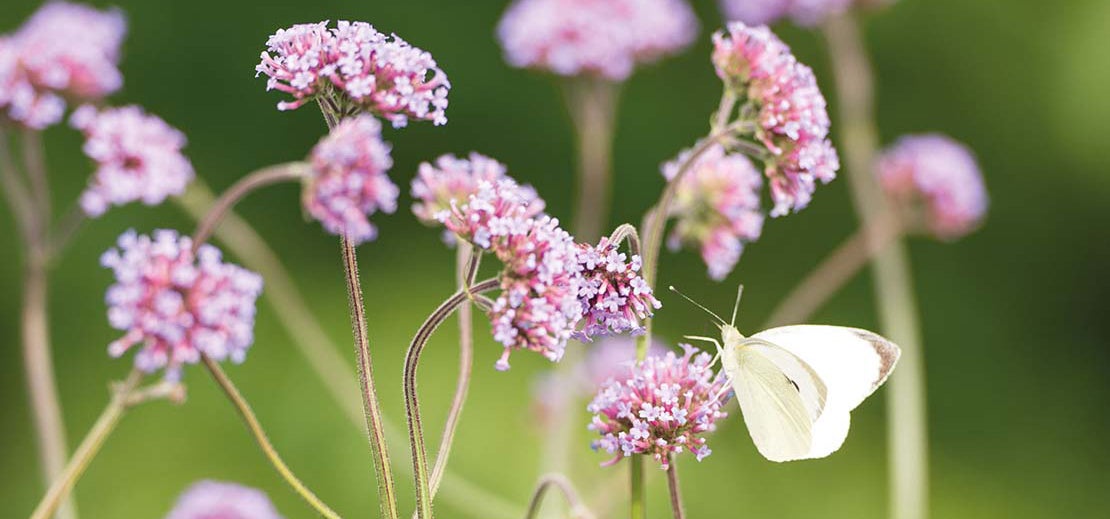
(793, 123)
(661, 407)
(717, 207)
(176, 304)
(138, 158)
(803, 12)
(615, 299)
(605, 38)
(349, 180)
(63, 51)
(357, 68)
(937, 182)
(452, 180)
(218, 500)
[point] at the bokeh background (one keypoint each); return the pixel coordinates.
(1015, 316)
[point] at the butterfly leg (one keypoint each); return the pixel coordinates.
(709, 340)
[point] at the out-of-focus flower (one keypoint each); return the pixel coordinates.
(614, 298)
(218, 500)
(605, 38)
(64, 50)
(803, 12)
(355, 68)
(937, 184)
(138, 158)
(717, 207)
(661, 407)
(349, 181)
(790, 112)
(452, 180)
(175, 305)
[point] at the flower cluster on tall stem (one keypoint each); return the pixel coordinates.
(614, 297)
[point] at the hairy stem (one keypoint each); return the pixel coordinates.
(893, 286)
(592, 104)
(252, 182)
(412, 404)
(62, 485)
(387, 497)
(578, 509)
(675, 490)
(259, 434)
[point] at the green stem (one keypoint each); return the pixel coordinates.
(259, 434)
(578, 509)
(897, 304)
(287, 172)
(637, 509)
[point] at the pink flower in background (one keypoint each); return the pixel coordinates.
(793, 123)
(355, 68)
(175, 305)
(138, 158)
(803, 12)
(937, 182)
(614, 298)
(217, 500)
(605, 38)
(349, 181)
(661, 407)
(716, 205)
(64, 50)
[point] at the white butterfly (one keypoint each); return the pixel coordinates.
(797, 384)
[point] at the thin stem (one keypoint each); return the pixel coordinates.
(577, 507)
(59, 490)
(834, 272)
(17, 194)
(907, 424)
(637, 509)
(66, 228)
(259, 434)
(321, 352)
(592, 104)
(252, 182)
(35, 164)
(387, 498)
(675, 490)
(412, 404)
(626, 232)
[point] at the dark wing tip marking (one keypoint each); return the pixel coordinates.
(887, 351)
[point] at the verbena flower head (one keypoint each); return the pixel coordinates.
(175, 305)
(218, 500)
(605, 38)
(349, 181)
(451, 179)
(803, 12)
(793, 123)
(138, 158)
(662, 406)
(936, 182)
(64, 50)
(353, 67)
(716, 205)
(615, 299)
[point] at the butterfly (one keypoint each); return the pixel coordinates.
(796, 385)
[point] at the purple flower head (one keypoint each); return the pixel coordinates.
(661, 407)
(353, 67)
(604, 38)
(176, 305)
(717, 207)
(803, 12)
(64, 50)
(349, 181)
(497, 210)
(217, 500)
(452, 180)
(138, 158)
(614, 297)
(793, 123)
(937, 184)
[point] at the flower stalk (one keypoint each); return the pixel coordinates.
(578, 509)
(675, 490)
(288, 172)
(592, 103)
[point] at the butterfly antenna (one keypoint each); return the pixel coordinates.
(736, 306)
(695, 303)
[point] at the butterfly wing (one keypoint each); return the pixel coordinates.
(778, 418)
(851, 363)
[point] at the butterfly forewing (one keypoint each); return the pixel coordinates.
(776, 416)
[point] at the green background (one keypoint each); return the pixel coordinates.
(1015, 315)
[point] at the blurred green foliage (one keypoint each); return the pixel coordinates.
(1016, 327)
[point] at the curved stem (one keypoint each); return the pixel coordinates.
(264, 177)
(259, 434)
(90, 446)
(577, 507)
(35, 164)
(66, 228)
(637, 508)
(387, 498)
(675, 490)
(627, 232)
(834, 272)
(412, 404)
(16, 194)
(592, 104)
(897, 304)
